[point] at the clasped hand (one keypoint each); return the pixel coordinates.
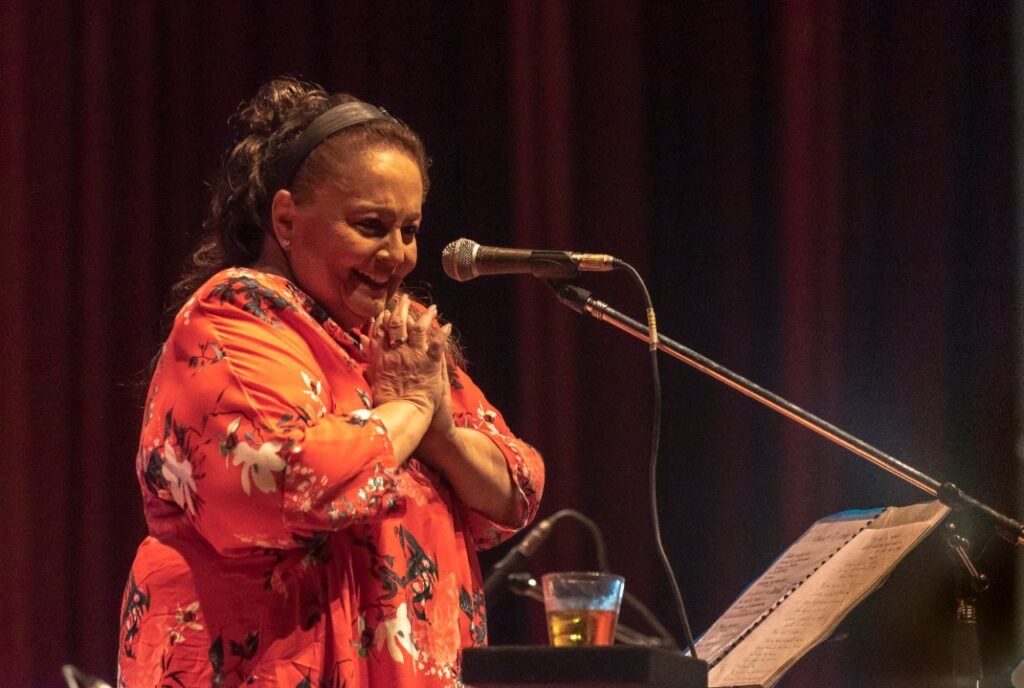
(408, 363)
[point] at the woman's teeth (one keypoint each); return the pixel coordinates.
(372, 280)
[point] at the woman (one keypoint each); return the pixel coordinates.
(316, 471)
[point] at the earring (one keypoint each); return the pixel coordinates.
(285, 243)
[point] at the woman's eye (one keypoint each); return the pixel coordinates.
(373, 226)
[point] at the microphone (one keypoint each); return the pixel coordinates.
(464, 259)
(517, 556)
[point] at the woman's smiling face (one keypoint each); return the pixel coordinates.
(354, 241)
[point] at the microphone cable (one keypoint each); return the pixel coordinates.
(600, 550)
(652, 329)
(462, 252)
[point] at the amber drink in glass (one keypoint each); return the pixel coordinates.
(582, 607)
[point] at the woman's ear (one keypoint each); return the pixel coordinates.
(282, 218)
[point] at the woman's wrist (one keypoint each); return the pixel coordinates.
(440, 448)
(406, 421)
(476, 469)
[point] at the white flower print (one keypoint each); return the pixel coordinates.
(365, 398)
(358, 642)
(263, 542)
(397, 633)
(178, 475)
(185, 620)
(188, 616)
(186, 310)
(152, 396)
(259, 465)
(488, 417)
(313, 389)
(364, 416)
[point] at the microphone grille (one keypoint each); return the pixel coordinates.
(457, 259)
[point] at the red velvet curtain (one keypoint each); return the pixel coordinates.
(819, 194)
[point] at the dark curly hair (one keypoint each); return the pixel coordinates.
(243, 188)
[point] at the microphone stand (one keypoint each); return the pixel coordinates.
(581, 301)
(969, 584)
(970, 581)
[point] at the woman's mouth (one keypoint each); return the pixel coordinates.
(373, 282)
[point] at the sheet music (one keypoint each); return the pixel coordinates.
(798, 562)
(813, 610)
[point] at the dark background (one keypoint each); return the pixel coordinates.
(821, 196)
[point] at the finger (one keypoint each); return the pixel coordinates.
(438, 344)
(398, 325)
(420, 327)
(377, 330)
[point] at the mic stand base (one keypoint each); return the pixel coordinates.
(967, 668)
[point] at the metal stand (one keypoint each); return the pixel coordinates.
(966, 654)
(970, 582)
(581, 301)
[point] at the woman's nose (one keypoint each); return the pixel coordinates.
(392, 250)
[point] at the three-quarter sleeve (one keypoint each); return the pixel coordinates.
(526, 468)
(247, 437)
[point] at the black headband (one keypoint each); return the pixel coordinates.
(330, 122)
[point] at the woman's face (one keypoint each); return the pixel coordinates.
(351, 245)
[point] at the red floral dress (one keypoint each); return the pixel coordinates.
(286, 547)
